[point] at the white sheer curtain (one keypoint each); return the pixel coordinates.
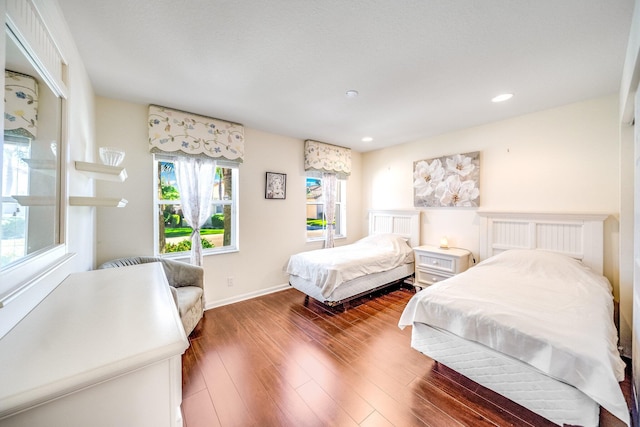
(329, 189)
(194, 178)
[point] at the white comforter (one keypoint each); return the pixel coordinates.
(328, 268)
(545, 309)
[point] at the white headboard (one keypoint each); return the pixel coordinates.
(580, 236)
(405, 223)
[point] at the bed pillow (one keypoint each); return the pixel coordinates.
(388, 242)
(548, 262)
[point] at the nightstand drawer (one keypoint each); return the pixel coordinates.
(435, 264)
(445, 264)
(429, 277)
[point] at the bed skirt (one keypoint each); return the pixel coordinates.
(353, 288)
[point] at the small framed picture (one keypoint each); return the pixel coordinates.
(275, 186)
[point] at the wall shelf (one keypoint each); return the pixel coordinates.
(35, 200)
(102, 172)
(104, 202)
(46, 166)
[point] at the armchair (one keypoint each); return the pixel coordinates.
(186, 283)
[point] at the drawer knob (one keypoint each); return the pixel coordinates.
(434, 279)
(434, 262)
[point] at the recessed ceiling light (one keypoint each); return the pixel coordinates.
(351, 93)
(502, 97)
(367, 139)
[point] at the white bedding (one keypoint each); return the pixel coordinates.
(545, 309)
(328, 268)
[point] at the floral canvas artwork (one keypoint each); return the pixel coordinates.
(448, 181)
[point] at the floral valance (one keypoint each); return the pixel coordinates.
(20, 105)
(177, 132)
(321, 157)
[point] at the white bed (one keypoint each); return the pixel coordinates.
(337, 275)
(528, 335)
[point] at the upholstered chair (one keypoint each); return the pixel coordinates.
(186, 283)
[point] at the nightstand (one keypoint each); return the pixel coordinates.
(434, 264)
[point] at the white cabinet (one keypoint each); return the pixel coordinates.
(434, 264)
(102, 349)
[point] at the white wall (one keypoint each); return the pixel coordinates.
(630, 198)
(270, 230)
(560, 160)
(125, 231)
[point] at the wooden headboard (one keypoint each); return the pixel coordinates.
(577, 235)
(405, 223)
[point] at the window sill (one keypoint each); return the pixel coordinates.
(179, 256)
(321, 239)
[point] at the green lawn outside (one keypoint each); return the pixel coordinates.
(184, 231)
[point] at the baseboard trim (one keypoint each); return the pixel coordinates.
(244, 297)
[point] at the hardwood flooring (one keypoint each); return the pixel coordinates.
(276, 361)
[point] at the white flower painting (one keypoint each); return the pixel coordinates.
(448, 181)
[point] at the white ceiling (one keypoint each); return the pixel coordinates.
(422, 67)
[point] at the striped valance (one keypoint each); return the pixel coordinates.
(20, 105)
(321, 157)
(179, 133)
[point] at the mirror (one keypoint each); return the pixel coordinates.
(30, 178)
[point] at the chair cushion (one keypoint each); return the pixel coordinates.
(188, 296)
(189, 306)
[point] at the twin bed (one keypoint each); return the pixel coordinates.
(533, 321)
(338, 275)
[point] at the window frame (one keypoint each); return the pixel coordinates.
(233, 202)
(341, 210)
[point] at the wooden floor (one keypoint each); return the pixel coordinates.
(274, 361)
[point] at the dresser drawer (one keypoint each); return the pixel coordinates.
(426, 277)
(440, 263)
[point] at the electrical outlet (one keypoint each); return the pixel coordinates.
(229, 281)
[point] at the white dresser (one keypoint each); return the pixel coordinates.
(434, 264)
(103, 349)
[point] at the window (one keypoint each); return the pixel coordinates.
(316, 222)
(219, 233)
(15, 181)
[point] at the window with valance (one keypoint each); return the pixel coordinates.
(187, 134)
(20, 105)
(320, 158)
(327, 167)
(197, 161)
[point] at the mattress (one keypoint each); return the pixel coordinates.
(507, 376)
(347, 290)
